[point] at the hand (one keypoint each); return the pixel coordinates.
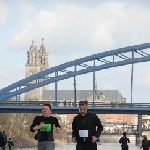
(38, 127)
(57, 129)
(41, 125)
(94, 139)
(74, 139)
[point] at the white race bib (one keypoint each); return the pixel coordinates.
(83, 133)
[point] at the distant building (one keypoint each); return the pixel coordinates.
(104, 96)
(37, 61)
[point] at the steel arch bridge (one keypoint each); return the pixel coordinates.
(93, 63)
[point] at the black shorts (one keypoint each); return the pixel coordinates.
(86, 146)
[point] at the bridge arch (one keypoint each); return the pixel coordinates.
(127, 56)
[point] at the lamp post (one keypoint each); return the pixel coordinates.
(74, 90)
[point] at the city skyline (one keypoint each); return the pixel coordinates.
(71, 30)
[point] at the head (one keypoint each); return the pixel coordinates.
(144, 136)
(9, 138)
(3, 132)
(124, 134)
(83, 107)
(46, 110)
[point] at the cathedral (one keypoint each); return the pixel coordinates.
(37, 61)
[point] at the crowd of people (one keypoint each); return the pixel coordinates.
(4, 141)
(86, 131)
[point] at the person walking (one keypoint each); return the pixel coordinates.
(10, 143)
(5, 140)
(145, 143)
(2, 142)
(44, 125)
(123, 141)
(84, 128)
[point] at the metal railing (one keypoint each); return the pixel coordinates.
(72, 104)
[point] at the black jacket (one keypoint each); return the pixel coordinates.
(123, 141)
(88, 122)
(145, 144)
(2, 142)
(44, 135)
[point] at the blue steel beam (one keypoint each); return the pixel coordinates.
(11, 88)
(75, 62)
(73, 110)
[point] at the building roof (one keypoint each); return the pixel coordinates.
(81, 94)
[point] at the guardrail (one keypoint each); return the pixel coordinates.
(72, 104)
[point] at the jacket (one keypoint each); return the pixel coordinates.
(145, 144)
(123, 141)
(88, 122)
(5, 137)
(2, 142)
(10, 143)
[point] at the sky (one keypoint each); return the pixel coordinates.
(74, 29)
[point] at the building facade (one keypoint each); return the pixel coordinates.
(37, 61)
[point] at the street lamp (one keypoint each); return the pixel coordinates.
(74, 90)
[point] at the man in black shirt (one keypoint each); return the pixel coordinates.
(145, 143)
(123, 141)
(44, 125)
(84, 128)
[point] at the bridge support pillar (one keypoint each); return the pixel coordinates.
(139, 131)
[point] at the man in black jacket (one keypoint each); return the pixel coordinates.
(84, 128)
(145, 143)
(2, 142)
(44, 125)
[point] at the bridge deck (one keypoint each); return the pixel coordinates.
(72, 108)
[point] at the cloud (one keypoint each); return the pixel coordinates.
(69, 28)
(3, 13)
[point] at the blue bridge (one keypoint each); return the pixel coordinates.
(93, 63)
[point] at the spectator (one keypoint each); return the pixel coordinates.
(10, 143)
(123, 141)
(145, 143)
(5, 140)
(2, 143)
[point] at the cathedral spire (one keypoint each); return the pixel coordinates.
(33, 47)
(42, 48)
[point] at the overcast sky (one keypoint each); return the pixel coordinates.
(75, 29)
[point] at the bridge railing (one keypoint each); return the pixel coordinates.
(72, 104)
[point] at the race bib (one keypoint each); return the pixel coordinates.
(46, 128)
(83, 133)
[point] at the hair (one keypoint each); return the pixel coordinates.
(47, 105)
(124, 133)
(83, 103)
(3, 131)
(145, 136)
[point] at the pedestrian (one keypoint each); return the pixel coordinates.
(2, 142)
(5, 140)
(145, 143)
(123, 141)
(10, 143)
(44, 125)
(84, 128)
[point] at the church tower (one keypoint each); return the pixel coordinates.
(37, 61)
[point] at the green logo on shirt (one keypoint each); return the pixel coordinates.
(46, 127)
